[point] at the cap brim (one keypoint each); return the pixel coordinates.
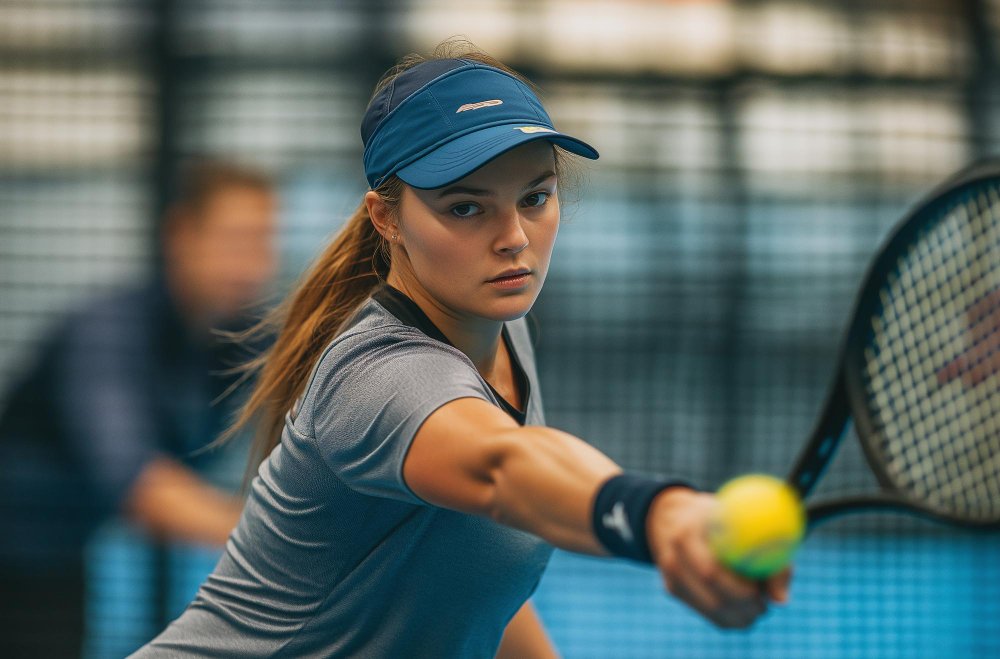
(464, 155)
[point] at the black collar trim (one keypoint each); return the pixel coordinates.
(409, 313)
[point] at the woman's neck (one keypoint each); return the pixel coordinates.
(478, 338)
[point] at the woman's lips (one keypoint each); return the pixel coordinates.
(511, 281)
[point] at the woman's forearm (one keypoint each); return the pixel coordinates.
(171, 501)
(544, 482)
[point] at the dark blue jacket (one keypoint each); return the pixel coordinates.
(119, 382)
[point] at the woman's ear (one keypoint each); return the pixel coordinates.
(380, 215)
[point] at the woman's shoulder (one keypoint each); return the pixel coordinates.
(376, 346)
(377, 357)
(373, 331)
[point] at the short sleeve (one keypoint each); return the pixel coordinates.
(369, 401)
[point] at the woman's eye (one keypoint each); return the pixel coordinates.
(536, 199)
(464, 210)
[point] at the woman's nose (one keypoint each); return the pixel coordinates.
(513, 240)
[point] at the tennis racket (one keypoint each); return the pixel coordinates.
(919, 366)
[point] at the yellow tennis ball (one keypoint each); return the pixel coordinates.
(758, 525)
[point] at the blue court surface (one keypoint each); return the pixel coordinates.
(933, 596)
(851, 597)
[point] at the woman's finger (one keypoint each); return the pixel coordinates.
(776, 587)
(729, 585)
(680, 583)
(700, 594)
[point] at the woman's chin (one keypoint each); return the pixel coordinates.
(510, 309)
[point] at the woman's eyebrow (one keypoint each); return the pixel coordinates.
(461, 189)
(534, 182)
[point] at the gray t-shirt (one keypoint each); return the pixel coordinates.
(334, 554)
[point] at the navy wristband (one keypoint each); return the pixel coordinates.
(620, 510)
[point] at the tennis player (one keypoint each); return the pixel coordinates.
(409, 494)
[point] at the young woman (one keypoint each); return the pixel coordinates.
(414, 496)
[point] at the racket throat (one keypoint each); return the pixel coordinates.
(826, 436)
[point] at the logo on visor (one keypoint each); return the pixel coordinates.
(480, 104)
(533, 129)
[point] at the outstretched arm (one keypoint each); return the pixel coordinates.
(470, 456)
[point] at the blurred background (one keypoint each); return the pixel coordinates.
(754, 154)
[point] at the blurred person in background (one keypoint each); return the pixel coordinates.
(110, 417)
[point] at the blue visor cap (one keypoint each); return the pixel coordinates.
(443, 119)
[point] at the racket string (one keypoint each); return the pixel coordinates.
(931, 375)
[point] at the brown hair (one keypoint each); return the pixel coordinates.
(328, 294)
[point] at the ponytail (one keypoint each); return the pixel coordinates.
(329, 293)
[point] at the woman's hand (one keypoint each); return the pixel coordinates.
(677, 529)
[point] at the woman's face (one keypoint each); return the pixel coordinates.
(461, 244)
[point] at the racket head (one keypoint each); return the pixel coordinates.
(921, 359)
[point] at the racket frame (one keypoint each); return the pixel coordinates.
(846, 399)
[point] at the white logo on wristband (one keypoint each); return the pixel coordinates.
(617, 521)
